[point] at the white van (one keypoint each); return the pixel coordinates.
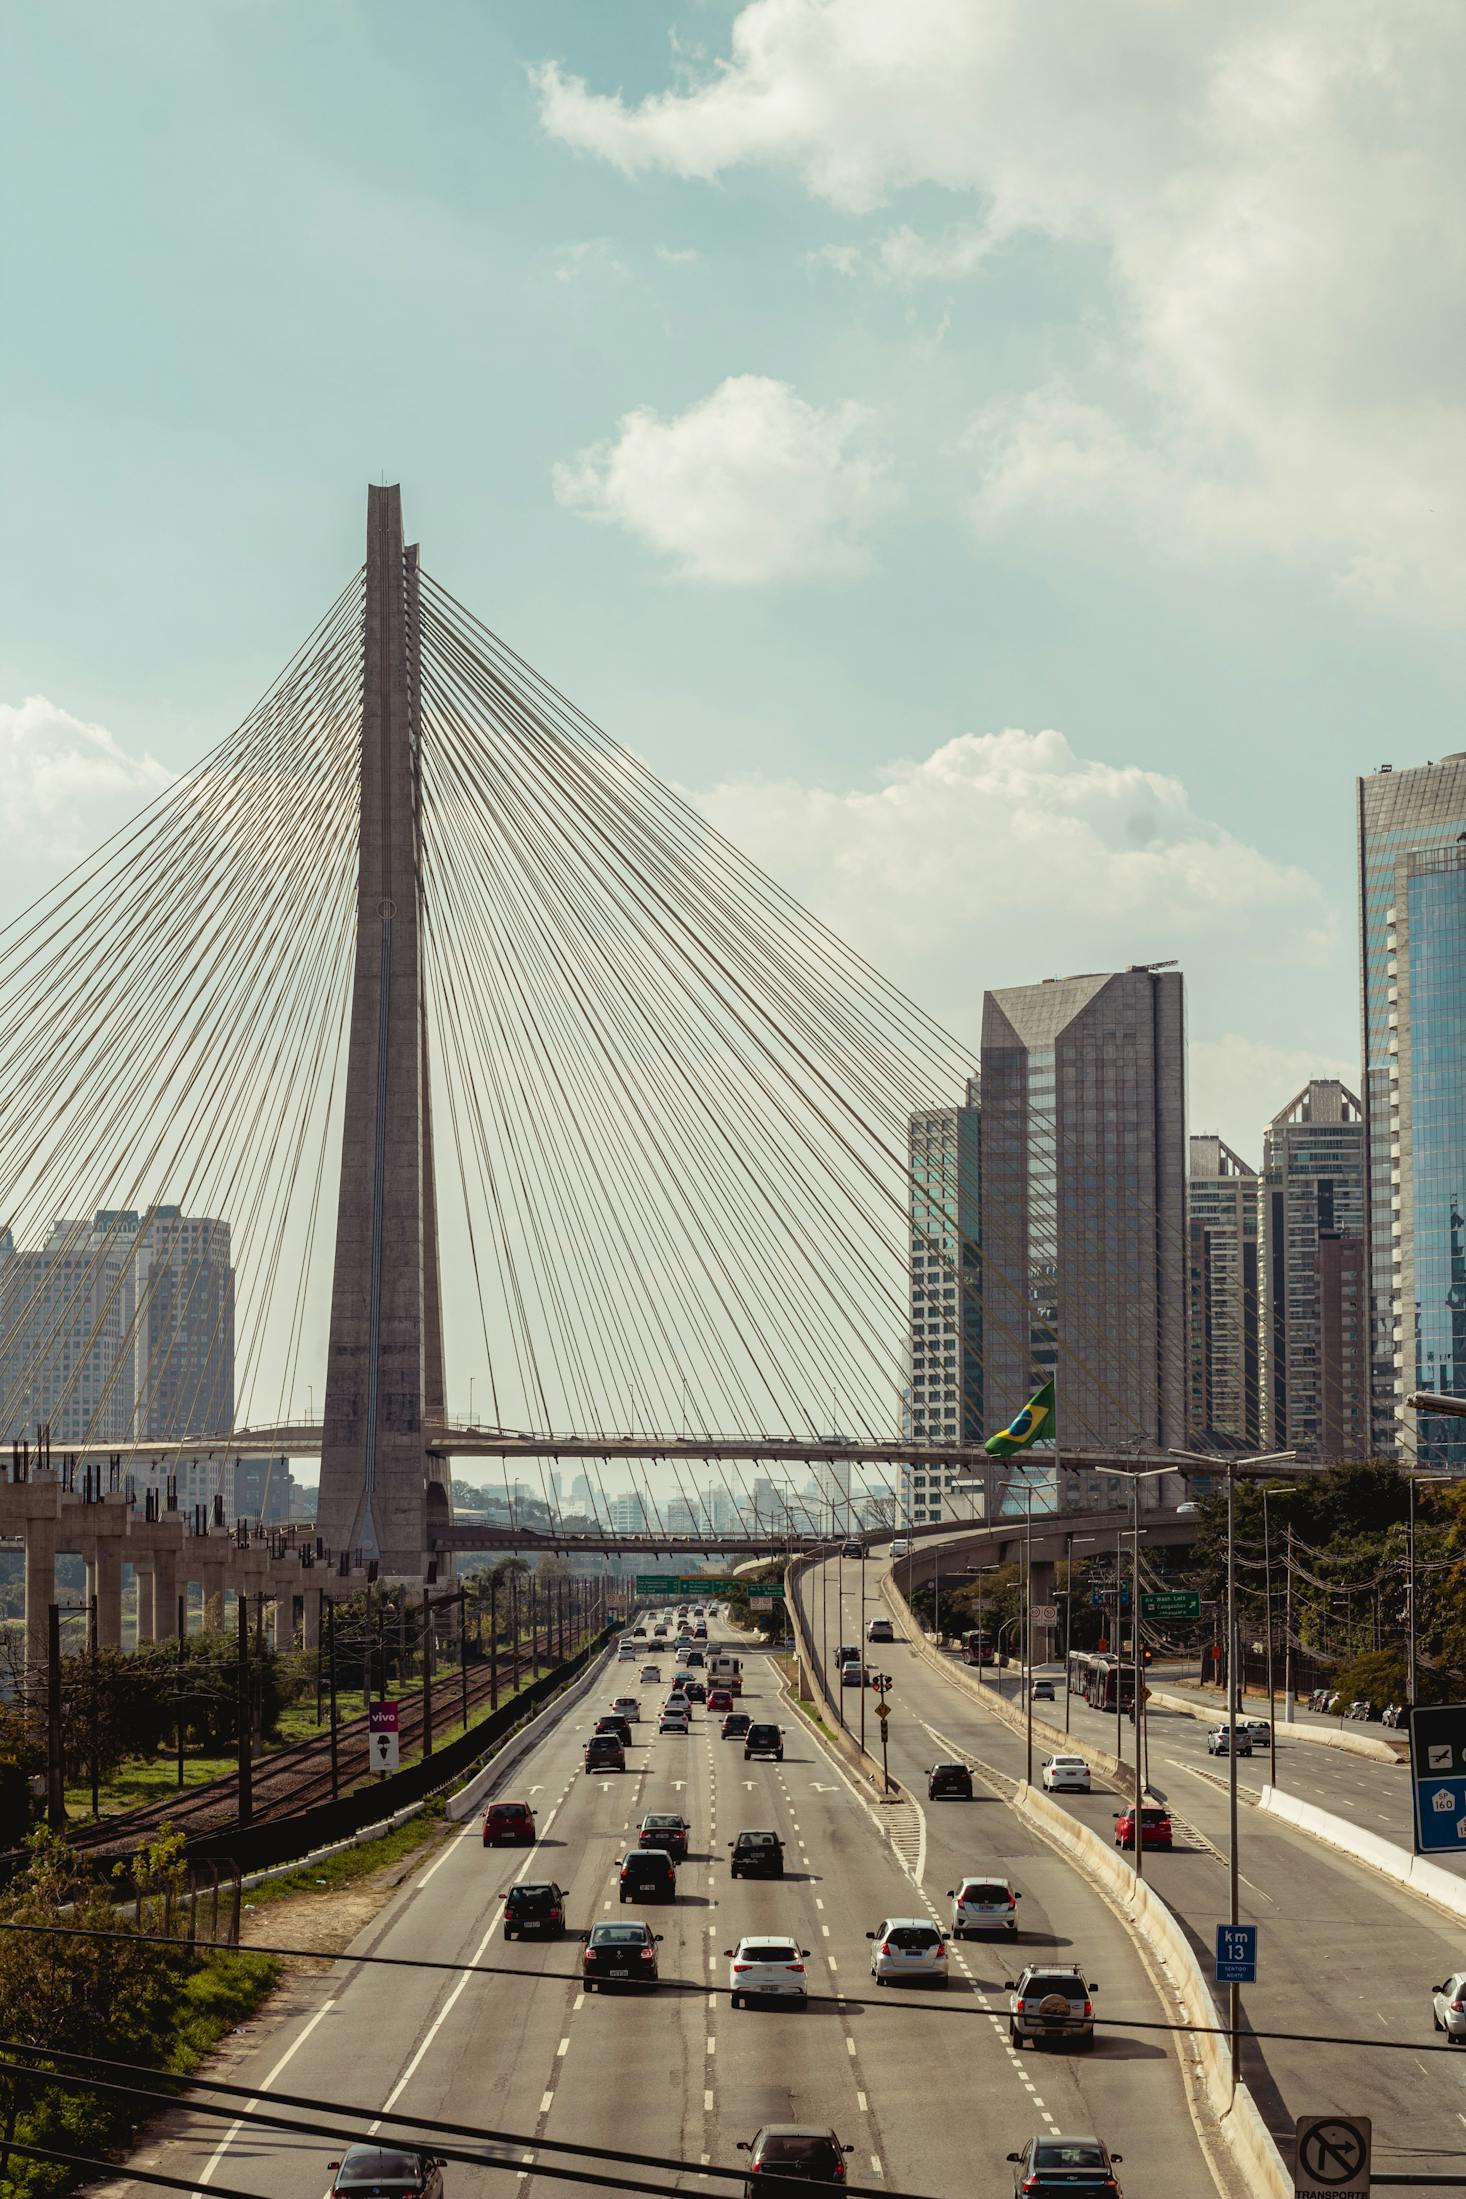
(725, 1671)
(900, 1546)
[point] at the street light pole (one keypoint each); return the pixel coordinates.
(1135, 1475)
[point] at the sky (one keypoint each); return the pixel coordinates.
(1002, 462)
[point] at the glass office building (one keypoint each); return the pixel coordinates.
(1221, 1212)
(944, 1401)
(1412, 878)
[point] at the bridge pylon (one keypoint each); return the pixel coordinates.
(381, 1493)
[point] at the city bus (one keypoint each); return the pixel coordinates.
(1106, 1682)
(977, 1648)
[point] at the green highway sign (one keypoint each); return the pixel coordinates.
(1171, 1603)
(698, 1584)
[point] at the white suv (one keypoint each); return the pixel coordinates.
(983, 1905)
(908, 1947)
(880, 1630)
(628, 1707)
(767, 1963)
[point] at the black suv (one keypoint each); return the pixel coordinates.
(648, 1874)
(534, 1907)
(946, 1779)
(613, 1722)
(757, 1855)
(815, 2156)
(763, 1740)
(603, 1752)
(664, 1829)
(614, 1952)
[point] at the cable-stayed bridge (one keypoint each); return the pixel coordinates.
(420, 976)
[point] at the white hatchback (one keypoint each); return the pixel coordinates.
(1071, 1772)
(983, 1905)
(907, 1947)
(767, 1963)
(629, 1708)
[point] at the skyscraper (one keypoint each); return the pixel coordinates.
(1222, 1232)
(1412, 944)
(944, 1401)
(1084, 1205)
(1314, 1331)
(186, 1339)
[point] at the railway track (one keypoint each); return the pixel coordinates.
(291, 1779)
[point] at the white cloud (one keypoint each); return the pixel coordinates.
(66, 787)
(1243, 1082)
(679, 255)
(591, 256)
(1271, 194)
(1005, 857)
(750, 484)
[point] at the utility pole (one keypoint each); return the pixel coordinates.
(330, 1603)
(534, 1635)
(493, 1641)
(246, 1769)
(182, 1637)
(55, 1769)
(427, 1673)
(463, 1651)
(94, 1676)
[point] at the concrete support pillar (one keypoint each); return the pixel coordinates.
(165, 1586)
(40, 1589)
(282, 1619)
(208, 1570)
(106, 1570)
(142, 1573)
(310, 1624)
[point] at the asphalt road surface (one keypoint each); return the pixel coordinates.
(1341, 1950)
(921, 2080)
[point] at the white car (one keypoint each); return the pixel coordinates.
(880, 1630)
(1258, 1731)
(983, 1905)
(767, 1963)
(1042, 1691)
(907, 1947)
(1222, 1741)
(650, 1673)
(1448, 2007)
(629, 1708)
(626, 1654)
(1069, 1773)
(672, 1721)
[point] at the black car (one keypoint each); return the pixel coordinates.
(695, 1690)
(949, 1779)
(735, 1725)
(763, 1740)
(1047, 2165)
(813, 2154)
(388, 2169)
(648, 1874)
(603, 1752)
(664, 1829)
(537, 1905)
(619, 1953)
(757, 1855)
(695, 1657)
(614, 1722)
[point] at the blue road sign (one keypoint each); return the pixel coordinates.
(1438, 1777)
(1236, 1954)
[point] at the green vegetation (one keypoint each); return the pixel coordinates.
(769, 1623)
(353, 1863)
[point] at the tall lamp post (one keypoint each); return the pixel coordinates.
(1135, 1475)
(1212, 1461)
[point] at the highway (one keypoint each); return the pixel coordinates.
(1341, 1950)
(921, 2081)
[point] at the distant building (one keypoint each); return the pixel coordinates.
(1314, 1330)
(944, 1395)
(1412, 931)
(630, 1516)
(1221, 1194)
(1084, 1247)
(264, 1491)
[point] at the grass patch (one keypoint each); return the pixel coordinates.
(352, 1863)
(223, 1992)
(789, 1666)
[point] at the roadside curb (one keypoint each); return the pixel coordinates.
(1352, 1744)
(1415, 1873)
(858, 1760)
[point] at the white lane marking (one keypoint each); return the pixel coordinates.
(448, 2007)
(850, 2047)
(562, 2048)
(712, 2046)
(235, 2128)
(547, 2103)
(707, 2105)
(875, 2162)
(862, 2103)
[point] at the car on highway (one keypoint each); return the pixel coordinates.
(647, 1874)
(696, 1691)
(617, 1722)
(696, 1659)
(735, 1725)
(650, 1674)
(907, 1947)
(763, 1738)
(811, 2152)
(1258, 1731)
(534, 1906)
(1155, 1827)
(853, 1673)
(659, 1633)
(1042, 1691)
(756, 1855)
(627, 1707)
(1053, 2163)
(852, 1549)
(603, 1752)
(900, 1546)
(391, 2170)
(700, 1633)
(1053, 2004)
(509, 1824)
(720, 1698)
(673, 1721)
(766, 1965)
(1065, 1774)
(664, 1829)
(617, 1953)
(1222, 1741)
(679, 1699)
(983, 1904)
(949, 1782)
(1448, 2007)
(880, 1630)
(626, 1654)
(846, 1654)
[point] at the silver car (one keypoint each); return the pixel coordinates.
(1222, 1741)
(907, 1947)
(1448, 2007)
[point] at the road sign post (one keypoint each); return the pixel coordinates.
(1438, 1777)
(883, 1712)
(1236, 1954)
(1331, 2154)
(383, 1744)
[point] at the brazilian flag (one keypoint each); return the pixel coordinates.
(1036, 1418)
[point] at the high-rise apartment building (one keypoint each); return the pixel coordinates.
(944, 1399)
(1314, 1329)
(186, 1335)
(1084, 1268)
(1221, 1214)
(1412, 938)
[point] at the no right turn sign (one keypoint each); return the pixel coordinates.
(1332, 2155)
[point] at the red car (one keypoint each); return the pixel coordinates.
(511, 1822)
(1155, 1827)
(720, 1698)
